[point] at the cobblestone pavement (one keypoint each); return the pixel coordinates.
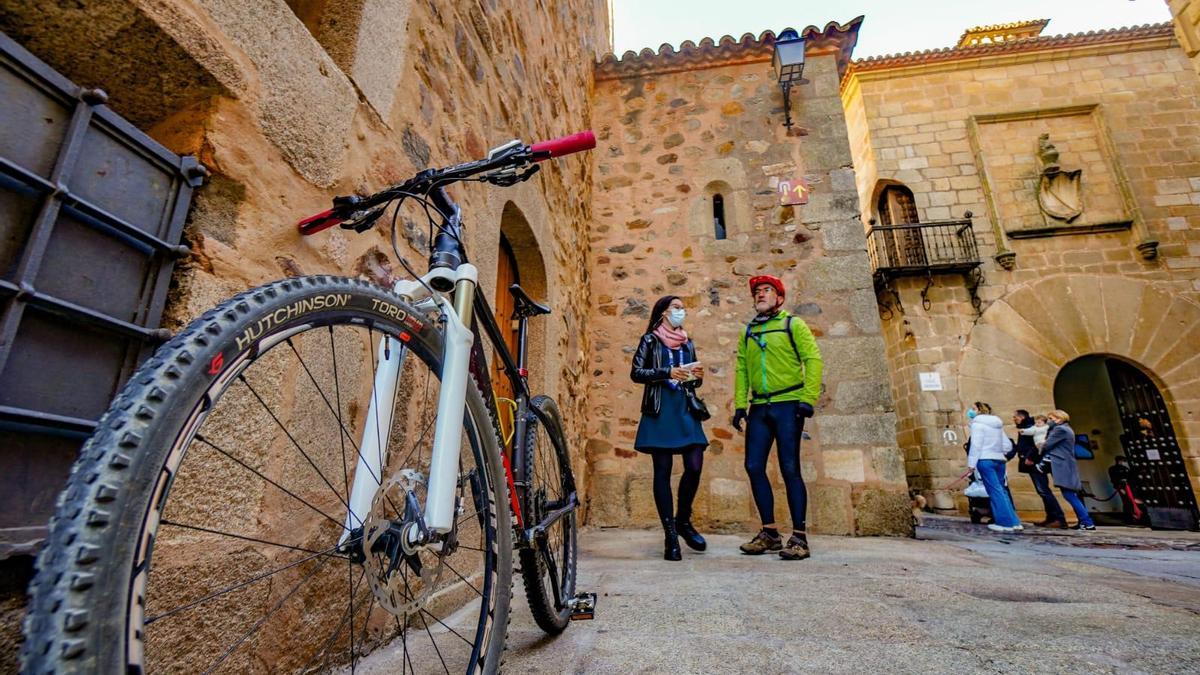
(957, 599)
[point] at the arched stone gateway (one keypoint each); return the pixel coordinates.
(1053, 329)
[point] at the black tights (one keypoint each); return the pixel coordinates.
(693, 462)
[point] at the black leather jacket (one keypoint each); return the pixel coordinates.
(649, 369)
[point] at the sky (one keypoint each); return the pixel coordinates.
(890, 27)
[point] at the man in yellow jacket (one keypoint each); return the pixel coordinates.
(779, 379)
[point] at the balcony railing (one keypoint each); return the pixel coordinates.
(943, 246)
(922, 249)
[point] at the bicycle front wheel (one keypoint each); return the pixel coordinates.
(548, 566)
(208, 525)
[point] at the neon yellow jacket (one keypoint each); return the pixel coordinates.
(776, 368)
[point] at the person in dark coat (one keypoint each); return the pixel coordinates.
(1028, 457)
(665, 362)
(1059, 452)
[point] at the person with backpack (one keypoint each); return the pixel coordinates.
(778, 379)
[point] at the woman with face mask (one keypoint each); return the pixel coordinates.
(665, 362)
(987, 454)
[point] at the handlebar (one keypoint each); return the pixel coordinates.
(501, 161)
(321, 221)
(584, 140)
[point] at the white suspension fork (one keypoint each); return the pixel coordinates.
(443, 470)
(368, 476)
(452, 400)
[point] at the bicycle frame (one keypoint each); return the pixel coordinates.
(450, 271)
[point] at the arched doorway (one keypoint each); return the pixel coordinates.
(507, 274)
(520, 261)
(1123, 413)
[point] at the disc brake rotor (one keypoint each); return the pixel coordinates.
(401, 576)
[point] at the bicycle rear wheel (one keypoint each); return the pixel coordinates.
(548, 567)
(207, 524)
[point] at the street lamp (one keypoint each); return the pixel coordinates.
(788, 61)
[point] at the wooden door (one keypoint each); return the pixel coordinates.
(905, 247)
(506, 275)
(1160, 476)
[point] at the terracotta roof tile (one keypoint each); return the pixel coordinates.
(1014, 46)
(711, 52)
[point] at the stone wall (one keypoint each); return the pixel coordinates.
(669, 142)
(961, 131)
(288, 110)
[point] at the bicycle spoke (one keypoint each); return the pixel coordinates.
(337, 393)
(291, 438)
(337, 631)
(435, 647)
(460, 637)
(321, 392)
(249, 582)
(252, 470)
(464, 579)
(260, 622)
(350, 606)
(242, 536)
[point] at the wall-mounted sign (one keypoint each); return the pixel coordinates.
(793, 192)
(931, 381)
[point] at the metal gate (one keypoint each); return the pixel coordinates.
(1159, 475)
(91, 217)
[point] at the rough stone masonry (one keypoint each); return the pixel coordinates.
(675, 132)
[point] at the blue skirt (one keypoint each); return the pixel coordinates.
(674, 430)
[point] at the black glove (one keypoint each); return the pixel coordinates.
(805, 410)
(739, 416)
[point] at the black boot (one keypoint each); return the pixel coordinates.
(671, 543)
(690, 536)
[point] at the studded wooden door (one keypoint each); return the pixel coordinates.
(1159, 475)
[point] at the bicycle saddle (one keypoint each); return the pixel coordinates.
(525, 306)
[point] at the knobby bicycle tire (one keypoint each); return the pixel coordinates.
(548, 476)
(87, 601)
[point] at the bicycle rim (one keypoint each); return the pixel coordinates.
(243, 561)
(548, 568)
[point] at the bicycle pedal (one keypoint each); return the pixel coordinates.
(583, 606)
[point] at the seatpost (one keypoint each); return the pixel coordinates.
(522, 327)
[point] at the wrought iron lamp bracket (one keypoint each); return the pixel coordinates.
(925, 301)
(974, 279)
(888, 298)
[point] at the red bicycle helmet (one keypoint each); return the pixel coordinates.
(774, 282)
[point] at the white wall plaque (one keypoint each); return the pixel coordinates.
(931, 381)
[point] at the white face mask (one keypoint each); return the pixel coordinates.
(676, 316)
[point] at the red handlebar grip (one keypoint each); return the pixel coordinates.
(314, 224)
(584, 140)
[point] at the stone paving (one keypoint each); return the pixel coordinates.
(960, 603)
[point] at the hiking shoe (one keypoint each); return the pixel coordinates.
(761, 543)
(796, 549)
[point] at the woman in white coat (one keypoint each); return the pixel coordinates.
(987, 454)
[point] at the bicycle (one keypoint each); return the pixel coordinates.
(262, 497)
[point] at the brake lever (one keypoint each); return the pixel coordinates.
(509, 177)
(364, 222)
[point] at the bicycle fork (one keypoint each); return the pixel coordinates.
(442, 483)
